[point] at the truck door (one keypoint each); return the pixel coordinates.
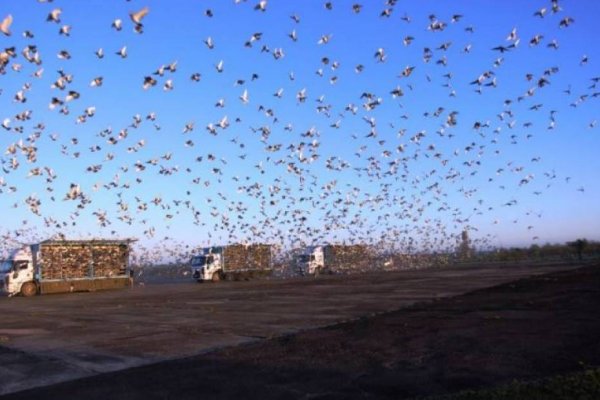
(20, 265)
(21, 272)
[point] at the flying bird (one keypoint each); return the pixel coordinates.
(244, 97)
(122, 52)
(566, 22)
(137, 17)
(54, 15)
(117, 24)
(5, 25)
(261, 6)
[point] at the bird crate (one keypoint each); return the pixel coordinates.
(65, 261)
(347, 258)
(239, 256)
(83, 259)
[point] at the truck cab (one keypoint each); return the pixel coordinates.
(207, 266)
(311, 260)
(17, 272)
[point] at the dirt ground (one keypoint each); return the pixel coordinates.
(56, 338)
(526, 329)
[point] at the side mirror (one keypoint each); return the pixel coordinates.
(15, 275)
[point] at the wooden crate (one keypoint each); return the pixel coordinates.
(81, 259)
(347, 258)
(239, 256)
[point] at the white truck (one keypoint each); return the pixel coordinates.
(332, 258)
(62, 266)
(310, 260)
(233, 262)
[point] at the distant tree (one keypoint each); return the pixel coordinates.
(535, 251)
(579, 245)
(464, 248)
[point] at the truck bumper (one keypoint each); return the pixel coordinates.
(200, 275)
(10, 290)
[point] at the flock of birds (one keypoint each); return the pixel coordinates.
(273, 164)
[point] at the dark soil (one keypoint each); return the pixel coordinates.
(526, 330)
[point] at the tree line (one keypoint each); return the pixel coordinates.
(579, 249)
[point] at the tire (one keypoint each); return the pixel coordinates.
(28, 289)
(317, 272)
(216, 277)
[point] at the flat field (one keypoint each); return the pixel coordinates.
(396, 334)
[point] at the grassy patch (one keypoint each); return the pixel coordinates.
(580, 385)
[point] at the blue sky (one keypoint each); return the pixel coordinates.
(511, 182)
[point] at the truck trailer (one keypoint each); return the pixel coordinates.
(332, 258)
(232, 262)
(61, 266)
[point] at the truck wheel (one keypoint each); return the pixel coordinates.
(28, 289)
(216, 277)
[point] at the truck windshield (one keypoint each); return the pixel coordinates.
(199, 260)
(6, 266)
(303, 258)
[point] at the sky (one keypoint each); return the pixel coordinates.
(399, 124)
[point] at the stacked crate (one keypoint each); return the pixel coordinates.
(65, 261)
(347, 258)
(110, 259)
(75, 260)
(259, 256)
(241, 257)
(235, 256)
